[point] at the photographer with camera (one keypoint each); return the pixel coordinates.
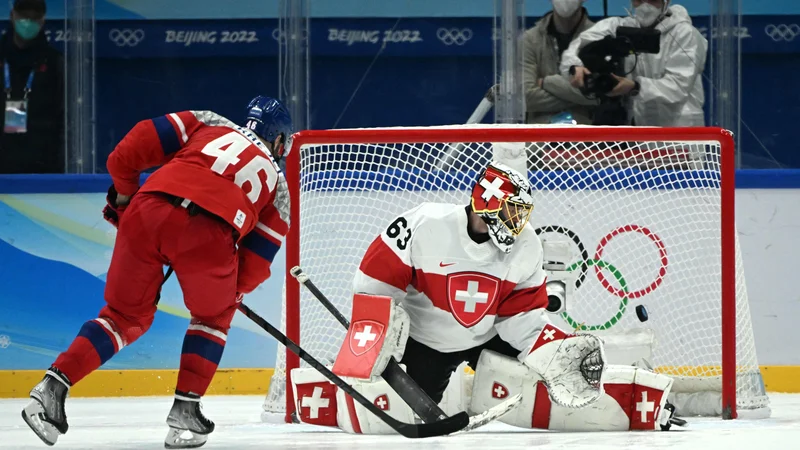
(657, 87)
(547, 92)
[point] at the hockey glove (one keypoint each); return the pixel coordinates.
(113, 212)
(571, 366)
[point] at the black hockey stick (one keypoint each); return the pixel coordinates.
(164, 281)
(439, 428)
(395, 376)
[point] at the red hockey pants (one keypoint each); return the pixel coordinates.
(201, 250)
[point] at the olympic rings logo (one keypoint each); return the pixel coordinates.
(126, 37)
(782, 32)
(280, 35)
(454, 36)
(623, 291)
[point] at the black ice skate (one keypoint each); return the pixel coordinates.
(668, 418)
(188, 427)
(45, 412)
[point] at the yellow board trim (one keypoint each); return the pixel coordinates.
(135, 383)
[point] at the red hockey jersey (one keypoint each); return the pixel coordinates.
(458, 294)
(223, 168)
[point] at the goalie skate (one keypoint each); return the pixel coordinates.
(188, 427)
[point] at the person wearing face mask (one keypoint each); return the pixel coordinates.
(547, 93)
(32, 139)
(663, 89)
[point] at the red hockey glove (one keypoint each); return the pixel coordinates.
(113, 212)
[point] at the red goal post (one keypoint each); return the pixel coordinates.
(578, 147)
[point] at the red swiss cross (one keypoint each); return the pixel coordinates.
(365, 334)
(471, 295)
(382, 402)
(499, 391)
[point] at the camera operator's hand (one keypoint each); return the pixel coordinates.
(623, 87)
(577, 78)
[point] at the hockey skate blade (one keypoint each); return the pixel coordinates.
(492, 414)
(174, 439)
(32, 415)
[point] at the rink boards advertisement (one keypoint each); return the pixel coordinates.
(358, 37)
(55, 249)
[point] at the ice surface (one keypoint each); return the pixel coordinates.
(138, 423)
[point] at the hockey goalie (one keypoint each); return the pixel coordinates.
(445, 284)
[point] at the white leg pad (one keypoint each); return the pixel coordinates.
(634, 398)
(354, 418)
(315, 397)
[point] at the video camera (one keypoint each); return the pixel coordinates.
(606, 57)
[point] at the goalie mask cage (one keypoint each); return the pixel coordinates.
(648, 213)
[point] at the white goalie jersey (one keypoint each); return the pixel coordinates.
(458, 293)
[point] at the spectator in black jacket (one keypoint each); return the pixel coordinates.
(32, 138)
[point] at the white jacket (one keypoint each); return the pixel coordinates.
(671, 81)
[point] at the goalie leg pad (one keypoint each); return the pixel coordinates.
(496, 378)
(354, 418)
(639, 394)
(315, 396)
(633, 398)
(378, 331)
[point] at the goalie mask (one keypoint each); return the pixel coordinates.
(502, 197)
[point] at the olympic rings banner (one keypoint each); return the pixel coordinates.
(359, 37)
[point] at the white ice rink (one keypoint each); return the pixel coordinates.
(138, 423)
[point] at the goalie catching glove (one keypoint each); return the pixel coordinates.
(571, 365)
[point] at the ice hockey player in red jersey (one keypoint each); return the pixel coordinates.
(216, 211)
(445, 284)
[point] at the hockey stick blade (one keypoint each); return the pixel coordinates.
(394, 375)
(439, 428)
(492, 414)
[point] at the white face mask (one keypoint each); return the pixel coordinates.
(646, 14)
(566, 8)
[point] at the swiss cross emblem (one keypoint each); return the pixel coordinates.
(382, 402)
(646, 407)
(316, 403)
(471, 296)
(365, 334)
(499, 391)
(491, 190)
(548, 334)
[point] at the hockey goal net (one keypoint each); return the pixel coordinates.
(648, 213)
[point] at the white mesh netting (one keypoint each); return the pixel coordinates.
(642, 218)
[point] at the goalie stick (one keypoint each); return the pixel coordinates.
(439, 428)
(401, 382)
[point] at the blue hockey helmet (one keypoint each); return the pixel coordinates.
(269, 118)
